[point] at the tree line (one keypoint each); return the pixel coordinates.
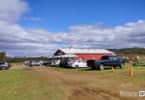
(3, 57)
(129, 51)
(120, 52)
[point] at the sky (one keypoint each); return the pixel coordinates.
(39, 27)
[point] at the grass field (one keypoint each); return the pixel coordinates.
(51, 83)
(21, 85)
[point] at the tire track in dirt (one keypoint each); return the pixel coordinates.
(75, 86)
(92, 94)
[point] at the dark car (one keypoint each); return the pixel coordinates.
(47, 63)
(4, 65)
(64, 63)
(112, 61)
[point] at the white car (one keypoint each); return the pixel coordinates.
(77, 64)
(55, 63)
(35, 63)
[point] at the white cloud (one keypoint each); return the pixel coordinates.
(12, 10)
(19, 41)
(15, 38)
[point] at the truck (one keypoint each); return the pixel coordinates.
(106, 61)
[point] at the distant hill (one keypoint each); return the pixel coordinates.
(129, 51)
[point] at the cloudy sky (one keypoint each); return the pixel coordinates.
(38, 27)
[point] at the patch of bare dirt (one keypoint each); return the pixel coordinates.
(92, 94)
(78, 86)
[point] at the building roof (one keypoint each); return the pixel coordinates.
(88, 51)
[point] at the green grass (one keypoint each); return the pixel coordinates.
(20, 85)
(139, 72)
(107, 69)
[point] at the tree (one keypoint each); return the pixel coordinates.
(2, 55)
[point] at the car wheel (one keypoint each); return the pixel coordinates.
(101, 67)
(76, 66)
(3, 68)
(121, 66)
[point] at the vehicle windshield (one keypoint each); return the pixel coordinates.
(113, 58)
(105, 58)
(2, 62)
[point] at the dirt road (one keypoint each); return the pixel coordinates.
(83, 86)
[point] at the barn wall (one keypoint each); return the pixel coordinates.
(91, 56)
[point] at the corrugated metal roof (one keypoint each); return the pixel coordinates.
(89, 51)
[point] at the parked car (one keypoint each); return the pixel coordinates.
(55, 63)
(77, 64)
(4, 65)
(63, 63)
(26, 62)
(47, 63)
(106, 61)
(35, 63)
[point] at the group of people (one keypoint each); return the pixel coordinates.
(132, 58)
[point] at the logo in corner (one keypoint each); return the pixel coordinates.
(141, 93)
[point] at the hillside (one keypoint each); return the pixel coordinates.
(129, 51)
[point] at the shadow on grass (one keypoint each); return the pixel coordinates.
(89, 69)
(84, 69)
